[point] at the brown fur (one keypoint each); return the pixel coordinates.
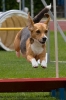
(17, 42)
(38, 31)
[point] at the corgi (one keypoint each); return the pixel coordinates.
(31, 41)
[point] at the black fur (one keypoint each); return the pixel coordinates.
(40, 15)
(25, 34)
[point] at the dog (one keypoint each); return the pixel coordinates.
(31, 41)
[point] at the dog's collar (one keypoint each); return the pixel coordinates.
(31, 40)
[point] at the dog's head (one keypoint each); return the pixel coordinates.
(38, 30)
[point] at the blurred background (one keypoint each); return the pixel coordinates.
(24, 4)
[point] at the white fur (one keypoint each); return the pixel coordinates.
(44, 64)
(45, 36)
(34, 63)
(48, 6)
(36, 47)
(38, 61)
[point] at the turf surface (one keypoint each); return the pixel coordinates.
(13, 67)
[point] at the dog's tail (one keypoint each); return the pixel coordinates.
(40, 15)
(48, 6)
(17, 43)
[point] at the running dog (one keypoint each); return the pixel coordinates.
(31, 40)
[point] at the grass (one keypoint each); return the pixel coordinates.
(26, 96)
(13, 67)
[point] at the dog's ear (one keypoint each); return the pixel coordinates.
(30, 23)
(48, 16)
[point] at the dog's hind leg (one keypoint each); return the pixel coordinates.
(18, 53)
(17, 44)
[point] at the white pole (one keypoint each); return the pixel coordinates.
(59, 28)
(23, 4)
(19, 1)
(3, 4)
(32, 7)
(56, 42)
(20, 5)
(65, 8)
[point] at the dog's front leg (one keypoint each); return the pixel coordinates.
(43, 62)
(33, 61)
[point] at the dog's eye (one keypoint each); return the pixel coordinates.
(38, 31)
(45, 31)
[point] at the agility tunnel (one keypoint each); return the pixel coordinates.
(8, 19)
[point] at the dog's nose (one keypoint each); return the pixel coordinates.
(44, 38)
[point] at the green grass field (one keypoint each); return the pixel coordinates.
(13, 67)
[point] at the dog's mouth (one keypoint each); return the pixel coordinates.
(42, 42)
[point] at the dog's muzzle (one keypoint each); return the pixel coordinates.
(43, 40)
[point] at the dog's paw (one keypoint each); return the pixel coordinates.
(38, 61)
(43, 64)
(34, 63)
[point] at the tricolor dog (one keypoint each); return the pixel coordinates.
(31, 41)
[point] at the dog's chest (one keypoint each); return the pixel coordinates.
(36, 48)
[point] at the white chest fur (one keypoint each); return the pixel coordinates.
(36, 47)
